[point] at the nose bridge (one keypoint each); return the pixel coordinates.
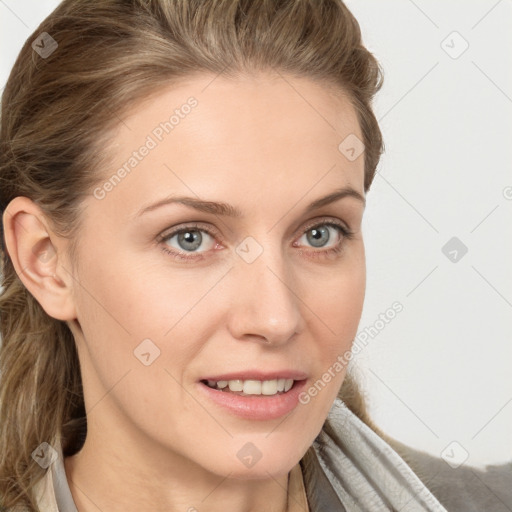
(265, 304)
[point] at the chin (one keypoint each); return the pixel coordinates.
(257, 456)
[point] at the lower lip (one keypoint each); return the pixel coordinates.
(256, 407)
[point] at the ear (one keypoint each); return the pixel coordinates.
(38, 257)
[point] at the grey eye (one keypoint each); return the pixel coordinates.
(191, 240)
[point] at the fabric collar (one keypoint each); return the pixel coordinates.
(354, 470)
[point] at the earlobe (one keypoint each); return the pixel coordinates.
(36, 257)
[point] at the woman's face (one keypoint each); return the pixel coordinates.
(243, 275)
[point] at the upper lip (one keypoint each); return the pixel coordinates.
(258, 375)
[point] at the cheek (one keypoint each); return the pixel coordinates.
(141, 300)
(125, 348)
(338, 300)
(117, 309)
(167, 315)
(337, 303)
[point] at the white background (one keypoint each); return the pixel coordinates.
(440, 370)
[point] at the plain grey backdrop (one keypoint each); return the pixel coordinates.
(437, 226)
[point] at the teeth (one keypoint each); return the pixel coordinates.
(253, 387)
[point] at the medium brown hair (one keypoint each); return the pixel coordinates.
(56, 114)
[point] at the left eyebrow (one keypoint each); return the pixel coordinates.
(336, 196)
(218, 208)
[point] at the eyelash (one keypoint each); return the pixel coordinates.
(346, 233)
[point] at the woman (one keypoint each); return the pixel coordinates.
(183, 184)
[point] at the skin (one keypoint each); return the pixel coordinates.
(269, 149)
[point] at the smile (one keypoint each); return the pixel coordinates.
(253, 399)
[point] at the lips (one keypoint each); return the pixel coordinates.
(263, 404)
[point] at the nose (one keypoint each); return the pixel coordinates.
(265, 306)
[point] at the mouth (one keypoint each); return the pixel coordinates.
(256, 396)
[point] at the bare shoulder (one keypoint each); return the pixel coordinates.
(464, 488)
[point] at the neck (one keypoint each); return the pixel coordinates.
(121, 471)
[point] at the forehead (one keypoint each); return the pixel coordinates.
(218, 137)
